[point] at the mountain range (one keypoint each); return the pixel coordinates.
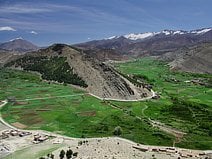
(151, 43)
(184, 50)
(142, 36)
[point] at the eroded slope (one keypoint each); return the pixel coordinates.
(99, 78)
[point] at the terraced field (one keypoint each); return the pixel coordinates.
(183, 105)
(65, 110)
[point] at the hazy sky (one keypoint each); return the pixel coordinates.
(72, 21)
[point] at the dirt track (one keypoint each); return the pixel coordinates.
(177, 133)
(99, 148)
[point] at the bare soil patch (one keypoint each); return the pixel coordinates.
(75, 101)
(29, 114)
(30, 120)
(42, 91)
(87, 113)
(4, 115)
(19, 125)
(16, 112)
(21, 103)
(42, 110)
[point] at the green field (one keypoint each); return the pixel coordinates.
(184, 106)
(75, 116)
(34, 151)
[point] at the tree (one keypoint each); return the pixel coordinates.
(210, 131)
(79, 143)
(62, 154)
(75, 154)
(52, 156)
(117, 131)
(69, 153)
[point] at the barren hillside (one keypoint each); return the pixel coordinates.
(197, 59)
(6, 56)
(97, 77)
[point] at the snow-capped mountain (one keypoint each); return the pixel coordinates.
(139, 36)
(201, 31)
(151, 43)
(186, 50)
(19, 38)
(112, 37)
(142, 36)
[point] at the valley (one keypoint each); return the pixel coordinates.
(183, 107)
(92, 117)
(30, 111)
(115, 79)
(181, 104)
(68, 92)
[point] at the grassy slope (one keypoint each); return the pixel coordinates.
(69, 115)
(160, 77)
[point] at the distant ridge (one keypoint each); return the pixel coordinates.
(141, 36)
(18, 45)
(138, 44)
(192, 49)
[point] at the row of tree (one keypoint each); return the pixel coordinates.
(68, 154)
(53, 68)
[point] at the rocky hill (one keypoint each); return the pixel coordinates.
(197, 59)
(66, 64)
(18, 45)
(6, 56)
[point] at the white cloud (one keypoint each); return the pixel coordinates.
(22, 8)
(33, 32)
(7, 28)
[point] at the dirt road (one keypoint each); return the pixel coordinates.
(107, 147)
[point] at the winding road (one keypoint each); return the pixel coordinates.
(161, 126)
(117, 139)
(126, 100)
(4, 102)
(178, 134)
